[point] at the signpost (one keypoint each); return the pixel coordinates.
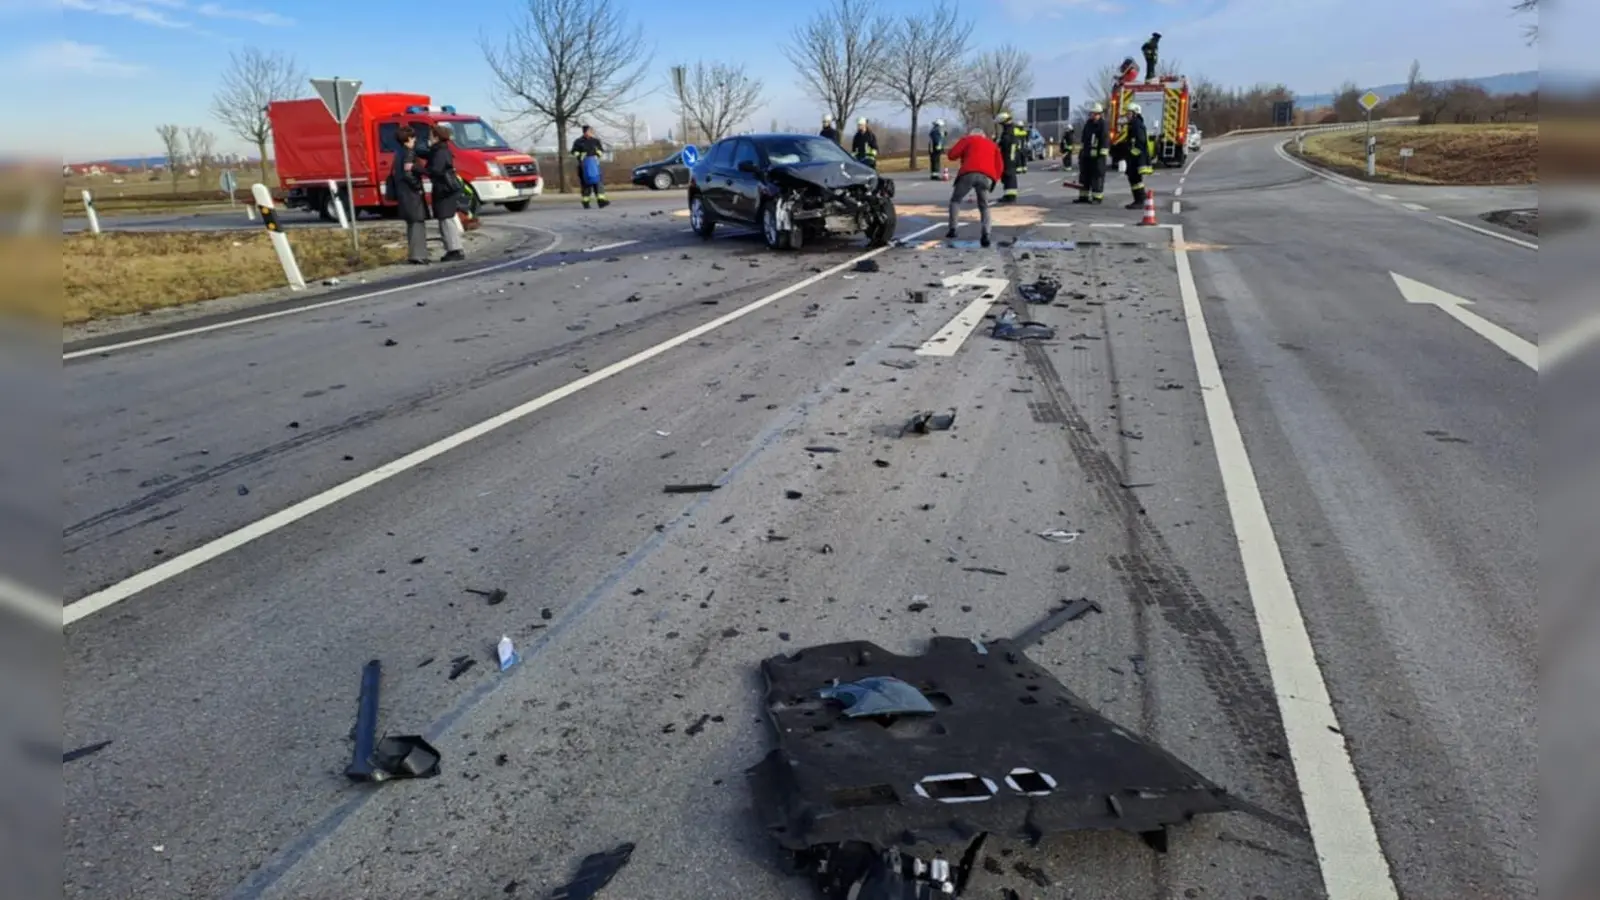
(691, 155)
(339, 96)
(1051, 117)
(1405, 158)
(229, 183)
(1369, 101)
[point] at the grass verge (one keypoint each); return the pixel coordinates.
(1442, 154)
(118, 273)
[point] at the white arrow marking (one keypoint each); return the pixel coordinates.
(947, 340)
(1524, 351)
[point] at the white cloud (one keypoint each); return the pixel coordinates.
(172, 13)
(67, 57)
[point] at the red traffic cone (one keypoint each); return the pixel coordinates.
(944, 173)
(1149, 209)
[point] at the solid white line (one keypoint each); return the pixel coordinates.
(947, 340)
(1494, 234)
(604, 247)
(1054, 225)
(1108, 225)
(1352, 862)
(1177, 207)
(29, 603)
(1557, 348)
(1363, 188)
(233, 540)
(1520, 349)
(1386, 196)
(311, 307)
(1415, 207)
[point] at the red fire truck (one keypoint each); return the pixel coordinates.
(305, 141)
(1165, 106)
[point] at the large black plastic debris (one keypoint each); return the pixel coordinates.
(899, 803)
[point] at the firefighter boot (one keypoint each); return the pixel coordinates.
(1138, 200)
(600, 198)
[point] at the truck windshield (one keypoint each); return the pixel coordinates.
(475, 134)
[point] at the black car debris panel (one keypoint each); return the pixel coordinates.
(794, 187)
(1008, 751)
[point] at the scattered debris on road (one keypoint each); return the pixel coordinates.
(898, 802)
(929, 421)
(982, 570)
(689, 488)
(792, 495)
(867, 265)
(506, 653)
(821, 448)
(396, 756)
(492, 598)
(1060, 536)
(81, 752)
(916, 296)
(460, 665)
(1070, 611)
(1043, 290)
(594, 873)
(1009, 327)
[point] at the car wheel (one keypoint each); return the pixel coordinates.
(884, 233)
(776, 239)
(662, 181)
(700, 218)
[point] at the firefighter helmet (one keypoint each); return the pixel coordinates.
(1005, 117)
(1097, 107)
(862, 121)
(1135, 109)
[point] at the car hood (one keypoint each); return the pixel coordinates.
(834, 175)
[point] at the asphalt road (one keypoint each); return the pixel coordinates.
(274, 503)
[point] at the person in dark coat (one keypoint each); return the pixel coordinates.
(448, 191)
(405, 186)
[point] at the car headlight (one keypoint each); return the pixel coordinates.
(637, 172)
(494, 169)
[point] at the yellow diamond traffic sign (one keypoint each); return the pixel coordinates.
(1369, 100)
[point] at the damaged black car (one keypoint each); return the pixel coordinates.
(794, 187)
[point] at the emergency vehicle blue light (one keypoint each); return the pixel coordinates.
(414, 110)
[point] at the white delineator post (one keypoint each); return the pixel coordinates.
(338, 204)
(88, 211)
(280, 241)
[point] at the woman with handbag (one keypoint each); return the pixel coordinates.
(448, 190)
(405, 186)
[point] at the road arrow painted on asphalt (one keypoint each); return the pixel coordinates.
(947, 340)
(1524, 351)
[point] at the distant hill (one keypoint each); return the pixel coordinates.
(150, 162)
(1508, 83)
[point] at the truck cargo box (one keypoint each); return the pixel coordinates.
(306, 139)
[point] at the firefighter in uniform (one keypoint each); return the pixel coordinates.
(828, 131)
(1138, 150)
(586, 147)
(1150, 48)
(935, 148)
(1024, 147)
(864, 146)
(1007, 139)
(1094, 153)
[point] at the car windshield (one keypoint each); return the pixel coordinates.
(475, 134)
(788, 150)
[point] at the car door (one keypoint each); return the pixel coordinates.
(717, 187)
(746, 199)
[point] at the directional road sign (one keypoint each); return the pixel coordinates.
(228, 182)
(1370, 100)
(338, 95)
(690, 155)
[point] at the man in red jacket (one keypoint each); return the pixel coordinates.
(981, 167)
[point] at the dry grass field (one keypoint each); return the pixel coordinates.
(1444, 154)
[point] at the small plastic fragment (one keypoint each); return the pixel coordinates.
(879, 695)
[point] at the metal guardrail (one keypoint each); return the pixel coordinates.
(1337, 126)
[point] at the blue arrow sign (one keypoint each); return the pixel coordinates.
(690, 155)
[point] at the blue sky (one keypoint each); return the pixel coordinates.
(118, 68)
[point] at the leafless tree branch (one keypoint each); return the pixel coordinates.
(840, 54)
(1529, 6)
(925, 61)
(202, 147)
(714, 98)
(172, 145)
(255, 78)
(996, 80)
(565, 60)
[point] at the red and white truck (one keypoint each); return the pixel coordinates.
(305, 142)
(1165, 106)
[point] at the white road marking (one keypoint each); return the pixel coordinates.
(1108, 225)
(1351, 859)
(947, 340)
(1054, 225)
(604, 247)
(183, 562)
(312, 307)
(1524, 351)
(1363, 188)
(1178, 191)
(1557, 348)
(1494, 234)
(1415, 207)
(1386, 196)
(29, 603)
(1177, 207)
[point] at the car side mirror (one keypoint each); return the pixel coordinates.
(749, 167)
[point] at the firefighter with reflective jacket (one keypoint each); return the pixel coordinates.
(828, 131)
(1024, 146)
(1138, 151)
(1094, 153)
(586, 148)
(864, 146)
(1010, 149)
(935, 148)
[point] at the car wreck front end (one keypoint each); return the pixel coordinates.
(831, 199)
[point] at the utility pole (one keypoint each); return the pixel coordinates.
(680, 77)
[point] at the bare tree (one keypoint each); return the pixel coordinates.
(923, 62)
(997, 79)
(713, 98)
(1414, 80)
(568, 59)
(632, 129)
(202, 148)
(172, 145)
(254, 79)
(840, 54)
